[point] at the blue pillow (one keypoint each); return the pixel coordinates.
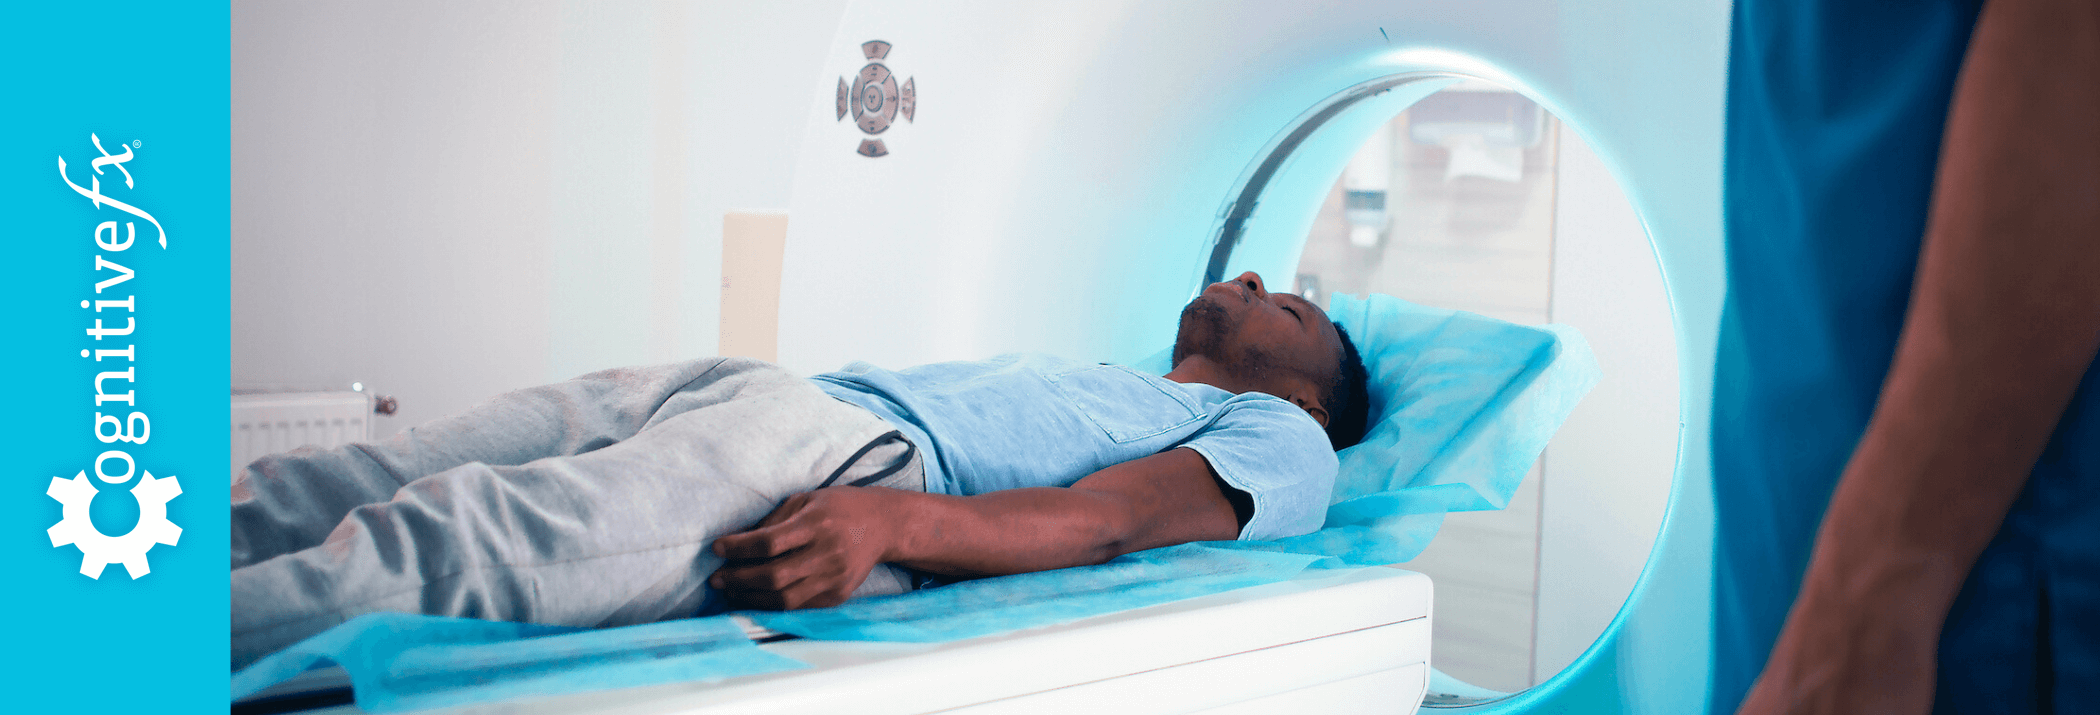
(1461, 406)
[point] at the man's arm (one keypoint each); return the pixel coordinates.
(2004, 319)
(818, 546)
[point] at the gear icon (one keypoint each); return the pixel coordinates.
(97, 549)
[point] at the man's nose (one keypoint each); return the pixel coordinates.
(1253, 284)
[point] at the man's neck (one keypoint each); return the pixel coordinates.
(1202, 369)
(1198, 368)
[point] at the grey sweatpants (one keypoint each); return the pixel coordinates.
(591, 502)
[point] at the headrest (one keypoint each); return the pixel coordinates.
(1461, 406)
(1458, 399)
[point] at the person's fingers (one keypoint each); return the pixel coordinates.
(804, 579)
(803, 593)
(816, 592)
(751, 543)
(795, 598)
(761, 600)
(747, 582)
(763, 542)
(787, 509)
(791, 506)
(771, 576)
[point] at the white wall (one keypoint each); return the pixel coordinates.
(1609, 468)
(448, 200)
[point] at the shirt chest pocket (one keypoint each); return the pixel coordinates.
(1126, 406)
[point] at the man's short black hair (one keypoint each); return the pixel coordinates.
(1348, 398)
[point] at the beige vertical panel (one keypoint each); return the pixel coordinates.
(752, 244)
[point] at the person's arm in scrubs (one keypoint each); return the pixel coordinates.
(2004, 319)
(818, 546)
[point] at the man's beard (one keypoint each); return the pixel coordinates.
(1204, 327)
(1202, 331)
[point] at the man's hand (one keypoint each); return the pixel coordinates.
(817, 547)
(811, 552)
(1864, 653)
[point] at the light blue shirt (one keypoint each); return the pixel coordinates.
(1029, 420)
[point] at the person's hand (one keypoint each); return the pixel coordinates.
(1799, 685)
(811, 552)
(1835, 659)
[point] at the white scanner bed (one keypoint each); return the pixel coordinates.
(1328, 641)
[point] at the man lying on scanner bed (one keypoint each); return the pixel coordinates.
(638, 495)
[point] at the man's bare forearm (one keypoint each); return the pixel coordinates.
(2004, 320)
(1160, 500)
(1013, 531)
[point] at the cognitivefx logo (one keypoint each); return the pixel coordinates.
(98, 550)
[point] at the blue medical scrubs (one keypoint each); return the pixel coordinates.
(1835, 112)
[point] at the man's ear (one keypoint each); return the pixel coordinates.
(1312, 407)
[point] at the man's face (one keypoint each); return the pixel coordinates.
(1255, 333)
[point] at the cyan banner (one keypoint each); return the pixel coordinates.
(112, 523)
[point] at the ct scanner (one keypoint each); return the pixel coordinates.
(1065, 183)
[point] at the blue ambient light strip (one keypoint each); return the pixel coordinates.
(115, 168)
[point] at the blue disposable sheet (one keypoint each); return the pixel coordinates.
(402, 662)
(1461, 407)
(997, 605)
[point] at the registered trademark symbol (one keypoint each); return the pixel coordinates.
(135, 144)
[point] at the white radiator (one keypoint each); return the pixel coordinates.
(268, 423)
